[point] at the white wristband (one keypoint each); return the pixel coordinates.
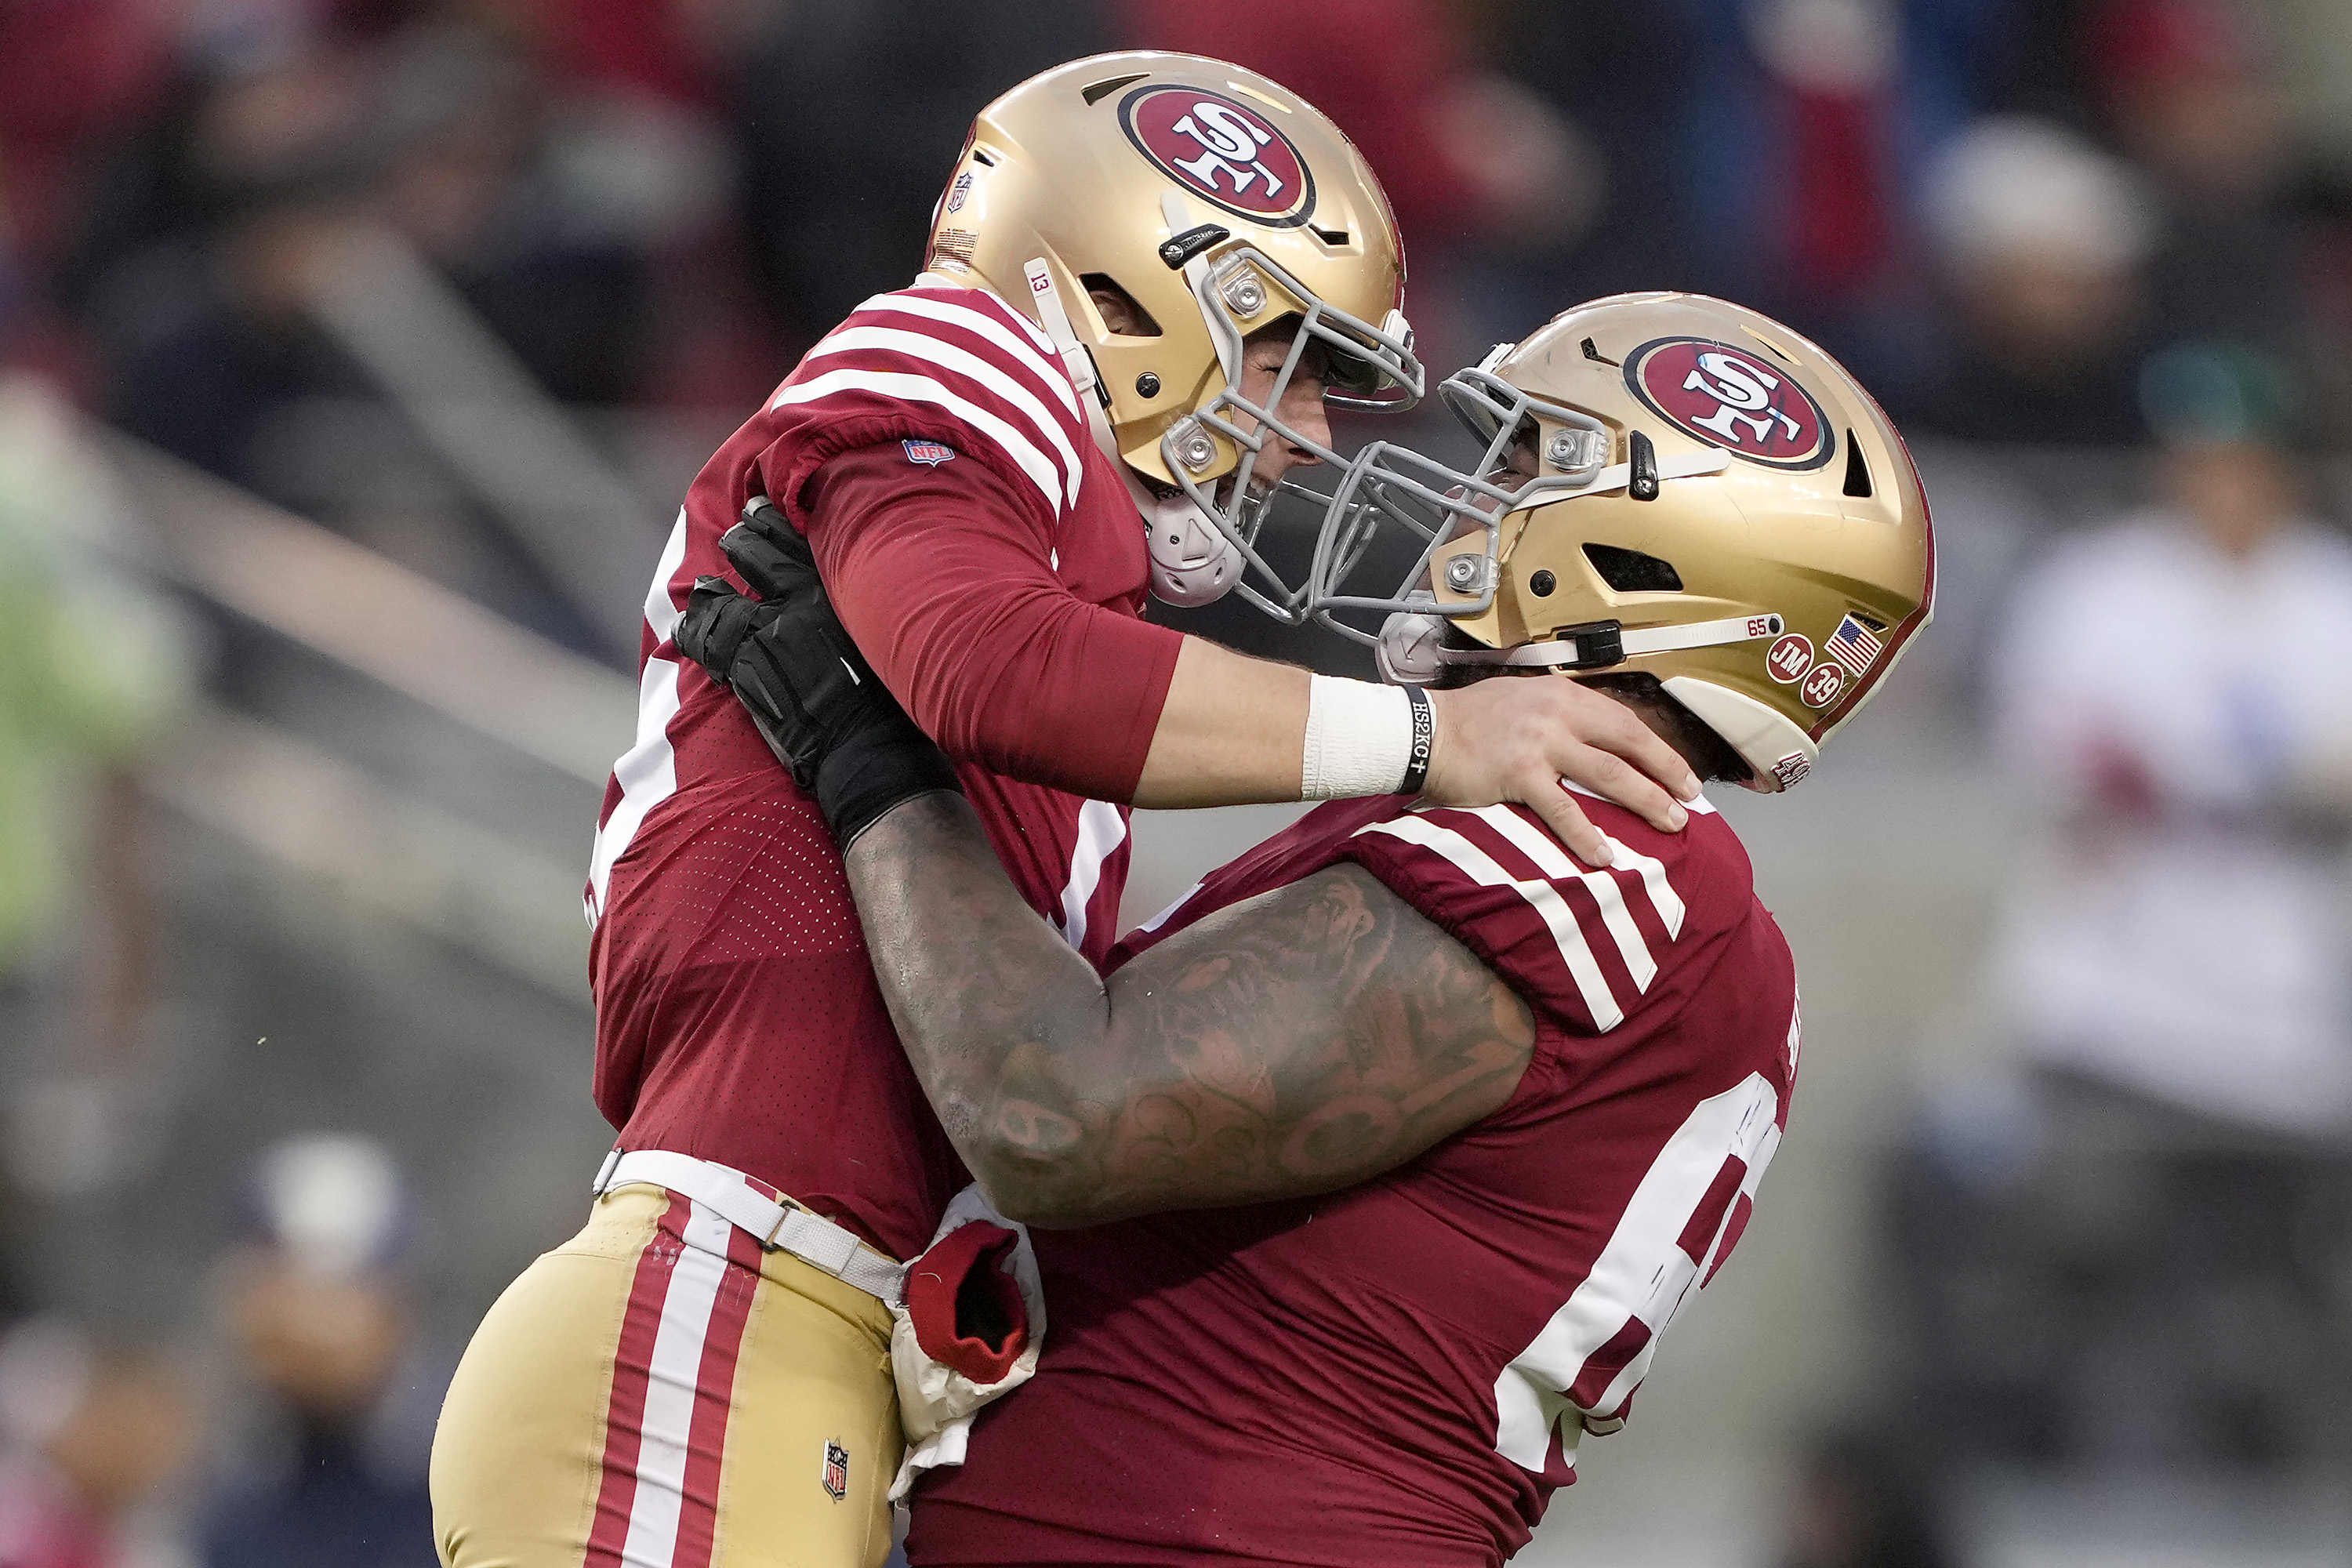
(1359, 739)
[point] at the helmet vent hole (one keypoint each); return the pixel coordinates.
(1631, 572)
(983, 157)
(1330, 236)
(1857, 468)
(1094, 93)
(1121, 312)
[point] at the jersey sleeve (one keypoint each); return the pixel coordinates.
(956, 366)
(948, 585)
(1582, 946)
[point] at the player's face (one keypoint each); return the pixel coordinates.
(1301, 408)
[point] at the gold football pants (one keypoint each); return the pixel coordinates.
(659, 1393)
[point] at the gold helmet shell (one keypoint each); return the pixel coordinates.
(1672, 485)
(1217, 201)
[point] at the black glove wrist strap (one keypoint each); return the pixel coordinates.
(869, 772)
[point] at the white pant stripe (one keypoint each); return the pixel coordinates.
(676, 1371)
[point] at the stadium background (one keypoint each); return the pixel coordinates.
(353, 354)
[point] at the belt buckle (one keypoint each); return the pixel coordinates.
(768, 1243)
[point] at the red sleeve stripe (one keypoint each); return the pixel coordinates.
(885, 387)
(979, 320)
(988, 381)
(1567, 935)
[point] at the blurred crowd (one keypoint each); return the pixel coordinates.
(2097, 232)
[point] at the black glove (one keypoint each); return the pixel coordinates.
(818, 704)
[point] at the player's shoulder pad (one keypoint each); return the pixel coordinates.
(1584, 943)
(958, 367)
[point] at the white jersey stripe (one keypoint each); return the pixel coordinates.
(980, 321)
(647, 771)
(971, 367)
(1555, 862)
(1156, 921)
(1543, 897)
(923, 389)
(1101, 830)
(1667, 902)
(675, 1374)
(1700, 806)
(1013, 313)
(1663, 897)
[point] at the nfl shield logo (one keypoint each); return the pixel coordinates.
(837, 1470)
(930, 452)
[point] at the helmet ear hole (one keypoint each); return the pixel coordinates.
(1123, 315)
(1631, 572)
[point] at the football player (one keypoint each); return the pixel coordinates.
(1401, 1140)
(1146, 274)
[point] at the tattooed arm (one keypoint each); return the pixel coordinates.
(1295, 1043)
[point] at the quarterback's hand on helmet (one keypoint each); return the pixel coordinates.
(820, 707)
(1517, 738)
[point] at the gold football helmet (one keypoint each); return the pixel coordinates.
(1670, 485)
(1218, 202)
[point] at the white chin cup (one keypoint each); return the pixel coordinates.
(1192, 563)
(1412, 646)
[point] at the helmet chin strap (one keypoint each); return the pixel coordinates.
(1419, 650)
(1192, 561)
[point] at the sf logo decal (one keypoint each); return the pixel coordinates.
(1222, 150)
(1228, 146)
(1744, 393)
(1731, 398)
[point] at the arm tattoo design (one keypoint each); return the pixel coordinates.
(1299, 1042)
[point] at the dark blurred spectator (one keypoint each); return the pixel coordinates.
(72, 72)
(319, 1309)
(2257, 238)
(197, 272)
(2041, 239)
(2191, 88)
(91, 1433)
(2142, 1260)
(848, 115)
(1619, 74)
(1806, 128)
(1485, 172)
(1855, 1504)
(569, 217)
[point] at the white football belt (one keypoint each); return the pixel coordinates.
(777, 1226)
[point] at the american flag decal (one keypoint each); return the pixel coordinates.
(1852, 645)
(837, 1470)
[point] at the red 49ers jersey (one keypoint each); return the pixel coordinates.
(1400, 1373)
(736, 1018)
